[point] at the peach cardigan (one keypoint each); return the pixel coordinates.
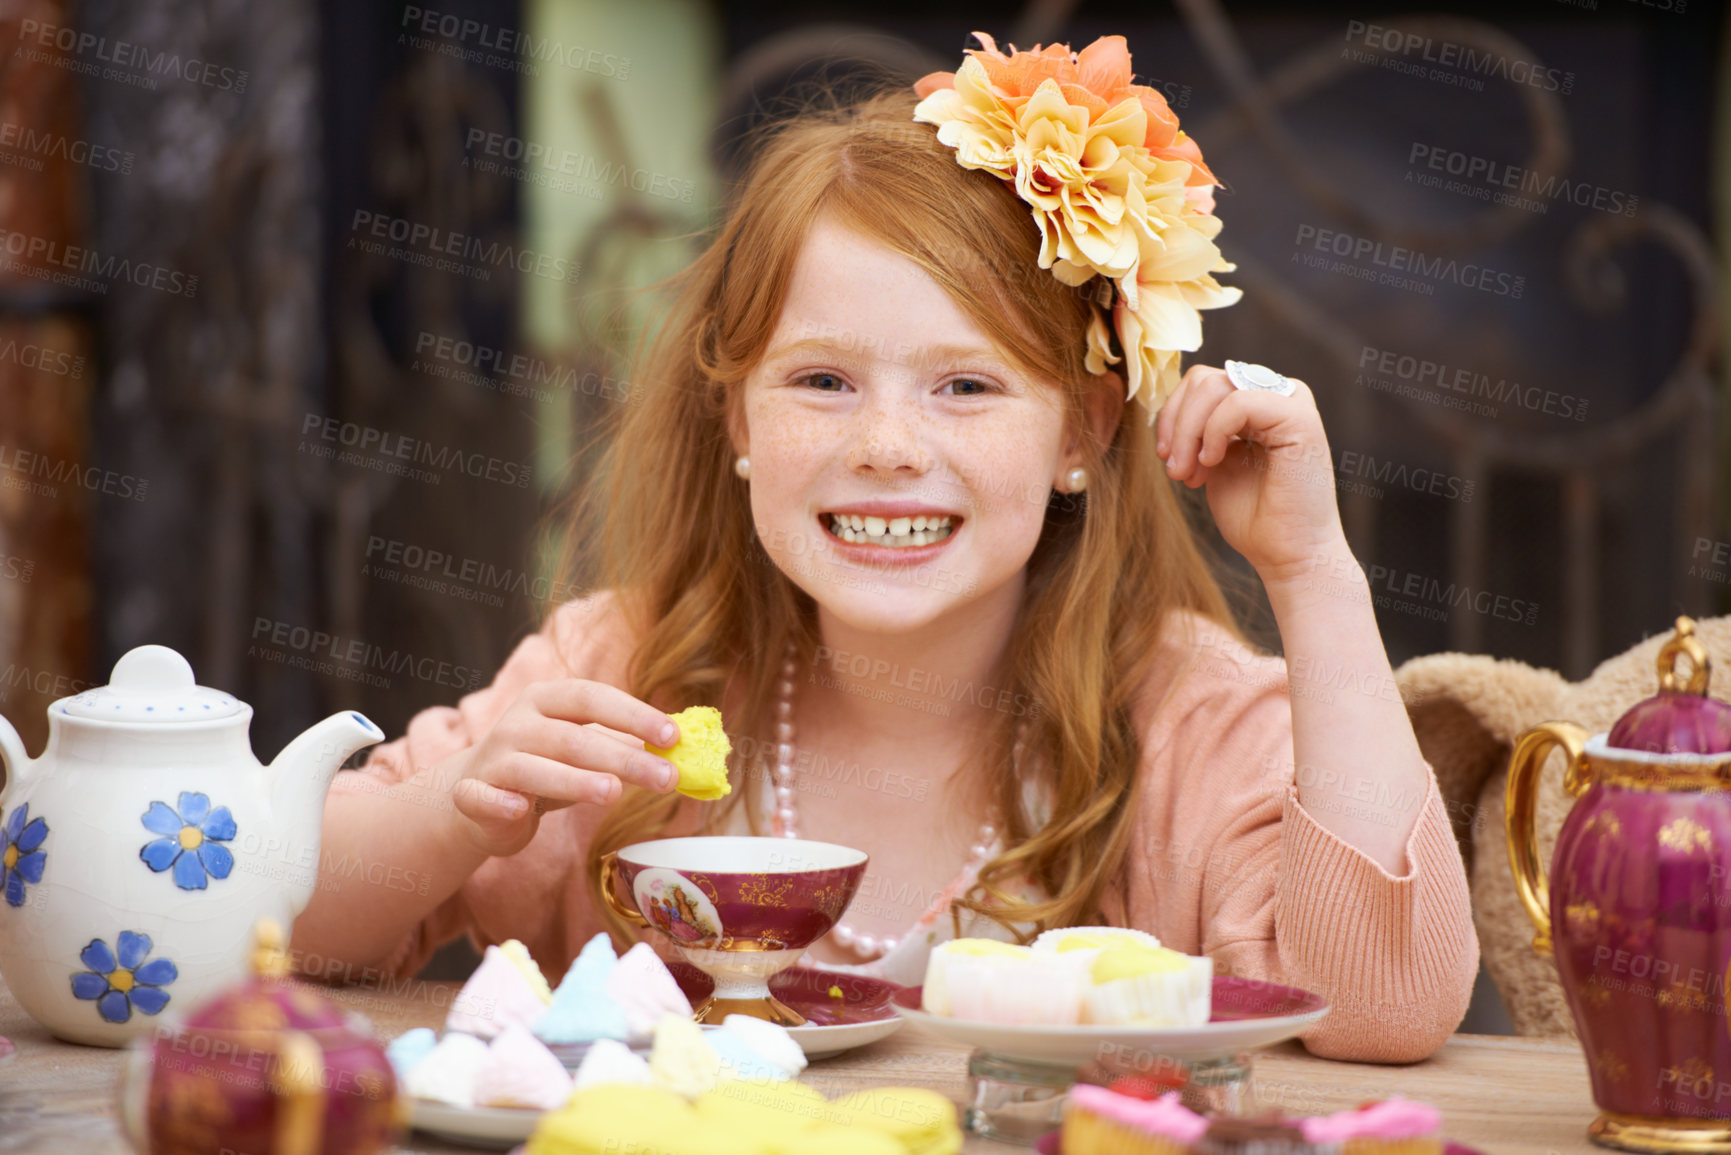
(1224, 861)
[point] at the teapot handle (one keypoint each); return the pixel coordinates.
(1521, 809)
(17, 760)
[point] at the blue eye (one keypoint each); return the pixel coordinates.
(980, 385)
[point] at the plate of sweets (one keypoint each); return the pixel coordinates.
(1073, 992)
(512, 1049)
(749, 1117)
(1130, 1121)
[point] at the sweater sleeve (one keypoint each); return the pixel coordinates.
(570, 644)
(1227, 862)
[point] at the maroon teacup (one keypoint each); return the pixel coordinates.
(740, 909)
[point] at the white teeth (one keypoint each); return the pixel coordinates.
(920, 522)
(857, 522)
(893, 532)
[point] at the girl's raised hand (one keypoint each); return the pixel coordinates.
(549, 750)
(1266, 463)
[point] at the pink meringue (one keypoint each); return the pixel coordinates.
(519, 1071)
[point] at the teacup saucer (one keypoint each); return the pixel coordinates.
(842, 1011)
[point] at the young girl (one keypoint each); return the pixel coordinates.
(1034, 711)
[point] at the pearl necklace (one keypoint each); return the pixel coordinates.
(785, 819)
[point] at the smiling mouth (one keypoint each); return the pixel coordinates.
(895, 532)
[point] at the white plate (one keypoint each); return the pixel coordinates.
(822, 1042)
(1256, 1015)
(496, 1128)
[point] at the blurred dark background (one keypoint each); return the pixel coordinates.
(306, 308)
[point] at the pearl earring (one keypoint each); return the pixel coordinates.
(742, 466)
(1077, 479)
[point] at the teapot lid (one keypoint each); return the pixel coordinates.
(151, 684)
(1679, 719)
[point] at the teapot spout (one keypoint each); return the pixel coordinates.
(302, 772)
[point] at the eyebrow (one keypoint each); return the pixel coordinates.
(919, 355)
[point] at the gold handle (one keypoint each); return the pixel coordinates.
(630, 914)
(1521, 804)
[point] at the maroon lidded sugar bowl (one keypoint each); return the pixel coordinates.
(1637, 908)
(269, 1067)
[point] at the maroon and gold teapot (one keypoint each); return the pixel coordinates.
(1638, 906)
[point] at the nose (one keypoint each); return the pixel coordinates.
(890, 440)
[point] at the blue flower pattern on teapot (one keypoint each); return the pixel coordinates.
(21, 855)
(191, 842)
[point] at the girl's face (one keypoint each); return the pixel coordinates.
(878, 398)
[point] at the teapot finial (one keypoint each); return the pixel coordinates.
(269, 958)
(1684, 643)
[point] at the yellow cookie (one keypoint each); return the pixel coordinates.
(700, 754)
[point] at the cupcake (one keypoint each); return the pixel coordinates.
(700, 754)
(998, 982)
(1142, 987)
(1391, 1127)
(1073, 938)
(1102, 1122)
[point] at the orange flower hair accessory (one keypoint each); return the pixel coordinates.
(1117, 190)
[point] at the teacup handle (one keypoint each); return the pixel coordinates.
(609, 868)
(1521, 805)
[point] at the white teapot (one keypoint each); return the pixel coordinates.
(138, 851)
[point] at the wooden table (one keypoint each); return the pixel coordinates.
(1505, 1096)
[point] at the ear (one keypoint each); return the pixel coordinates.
(1103, 408)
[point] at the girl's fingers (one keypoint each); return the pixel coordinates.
(1243, 413)
(593, 749)
(557, 784)
(580, 700)
(1167, 417)
(486, 805)
(1202, 397)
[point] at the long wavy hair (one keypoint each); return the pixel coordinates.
(664, 522)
